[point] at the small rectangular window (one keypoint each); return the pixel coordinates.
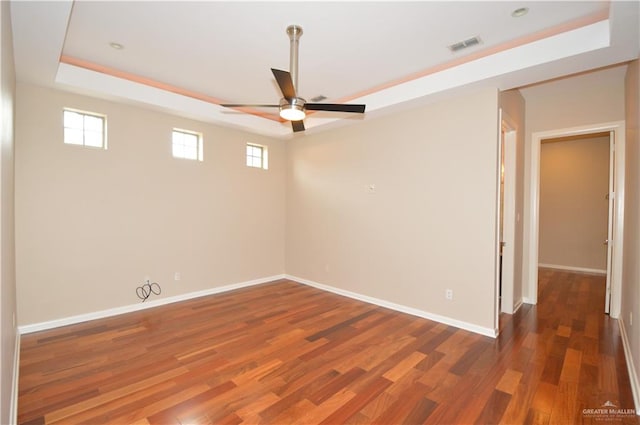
(187, 144)
(85, 128)
(257, 156)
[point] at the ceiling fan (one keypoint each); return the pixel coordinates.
(292, 107)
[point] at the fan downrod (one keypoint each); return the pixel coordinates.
(294, 32)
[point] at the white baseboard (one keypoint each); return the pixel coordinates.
(573, 269)
(493, 333)
(36, 327)
(529, 300)
(13, 408)
(633, 374)
(517, 306)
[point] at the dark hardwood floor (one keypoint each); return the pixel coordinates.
(285, 353)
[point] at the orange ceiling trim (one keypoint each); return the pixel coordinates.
(81, 63)
(569, 26)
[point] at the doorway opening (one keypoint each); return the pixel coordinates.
(576, 180)
(615, 208)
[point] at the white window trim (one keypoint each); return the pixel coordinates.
(200, 149)
(103, 117)
(264, 157)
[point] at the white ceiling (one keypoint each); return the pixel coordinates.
(185, 57)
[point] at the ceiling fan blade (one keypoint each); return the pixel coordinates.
(242, 105)
(297, 126)
(285, 83)
(335, 107)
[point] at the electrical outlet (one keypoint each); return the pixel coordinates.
(176, 276)
(448, 294)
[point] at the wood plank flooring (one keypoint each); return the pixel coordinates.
(285, 353)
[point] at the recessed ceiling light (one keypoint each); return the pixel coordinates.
(520, 12)
(116, 46)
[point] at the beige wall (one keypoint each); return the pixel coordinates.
(7, 250)
(429, 226)
(631, 262)
(590, 98)
(92, 223)
(513, 109)
(574, 181)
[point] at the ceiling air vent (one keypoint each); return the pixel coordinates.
(460, 45)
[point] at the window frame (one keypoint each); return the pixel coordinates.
(264, 156)
(199, 144)
(103, 132)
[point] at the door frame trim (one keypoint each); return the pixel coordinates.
(611, 208)
(531, 274)
(509, 146)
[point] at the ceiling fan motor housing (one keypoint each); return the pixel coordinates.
(292, 109)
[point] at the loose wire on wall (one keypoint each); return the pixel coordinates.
(143, 292)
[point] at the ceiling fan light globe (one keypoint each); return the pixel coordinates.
(292, 112)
